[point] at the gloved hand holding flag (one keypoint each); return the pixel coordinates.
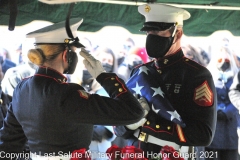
(144, 83)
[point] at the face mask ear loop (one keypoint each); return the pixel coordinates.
(175, 29)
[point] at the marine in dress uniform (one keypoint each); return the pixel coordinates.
(54, 117)
(186, 85)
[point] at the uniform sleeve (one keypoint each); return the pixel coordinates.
(121, 108)
(234, 92)
(198, 112)
(123, 131)
(12, 135)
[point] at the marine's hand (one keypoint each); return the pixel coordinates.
(93, 66)
(137, 124)
(143, 103)
(146, 109)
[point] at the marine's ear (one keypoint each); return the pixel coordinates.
(65, 55)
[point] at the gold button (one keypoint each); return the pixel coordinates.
(157, 126)
(159, 71)
(165, 61)
(112, 78)
(116, 84)
(120, 90)
(168, 127)
(1, 101)
(148, 122)
(186, 59)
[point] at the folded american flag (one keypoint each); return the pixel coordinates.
(144, 83)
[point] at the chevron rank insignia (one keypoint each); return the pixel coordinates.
(83, 94)
(203, 95)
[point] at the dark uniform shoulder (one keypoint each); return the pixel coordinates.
(192, 63)
(195, 67)
(74, 86)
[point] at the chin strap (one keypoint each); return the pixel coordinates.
(67, 24)
(68, 29)
(175, 29)
(13, 14)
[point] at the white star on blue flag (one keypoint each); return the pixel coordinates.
(137, 89)
(152, 89)
(157, 91)
(143, 69)
(174, 115)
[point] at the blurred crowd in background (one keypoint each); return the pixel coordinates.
(218, 55)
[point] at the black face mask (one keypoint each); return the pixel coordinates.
(72, 62)
(107, 67)
(158, 46)
(225, 66)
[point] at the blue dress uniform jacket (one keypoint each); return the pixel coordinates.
(190, 90)
(56, 117)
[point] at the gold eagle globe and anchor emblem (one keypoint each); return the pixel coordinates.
(66, 41)
(147, 8)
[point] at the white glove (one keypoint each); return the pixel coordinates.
(146, 109)
(144, 105)
(137, 124)
(93, 66)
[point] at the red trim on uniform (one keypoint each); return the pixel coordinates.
(161, 131)
(122, 85)
(180, 133)
(192, 61)
(156, 66)
(27, 77)
(53, 70)
(85, 96)
(120, 94)
(178, 50)
(137, 66)
(188, 63)
(46, 77)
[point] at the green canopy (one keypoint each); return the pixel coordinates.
(203, 22)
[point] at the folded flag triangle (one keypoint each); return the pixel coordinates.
(145, 83)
